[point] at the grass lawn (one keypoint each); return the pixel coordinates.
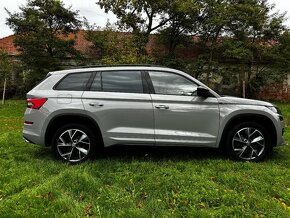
(138, 182)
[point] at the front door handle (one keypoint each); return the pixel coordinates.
(162, 107)
(94, 104)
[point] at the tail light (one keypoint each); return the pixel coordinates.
(35, 103)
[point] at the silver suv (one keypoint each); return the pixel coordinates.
(79, 111)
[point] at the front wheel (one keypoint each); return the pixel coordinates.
(248, 141)
(74, 143)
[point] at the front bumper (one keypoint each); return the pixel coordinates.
(280, 133)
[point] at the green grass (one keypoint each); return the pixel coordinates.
(138, 182)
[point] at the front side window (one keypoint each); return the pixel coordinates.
(118, 81)
(172, 84)
(74, 82)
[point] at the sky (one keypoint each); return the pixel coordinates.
(95, 15)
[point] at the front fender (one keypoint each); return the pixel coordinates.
(229, 113)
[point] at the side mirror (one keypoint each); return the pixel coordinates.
(203, 92)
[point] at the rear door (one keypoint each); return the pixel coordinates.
(181, 117)
(120, 103)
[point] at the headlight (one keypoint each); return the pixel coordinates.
(275, 110)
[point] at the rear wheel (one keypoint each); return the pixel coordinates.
(248, 141)
(74, 143)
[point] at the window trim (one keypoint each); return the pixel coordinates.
(145, 86)
(152, 89)
(85, 86)
(91, 80)
(149, 82)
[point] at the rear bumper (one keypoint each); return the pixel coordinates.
(32, 137)
(33, 125)
(27, 140)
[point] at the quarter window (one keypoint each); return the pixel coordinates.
(74, 82)
(172, 84)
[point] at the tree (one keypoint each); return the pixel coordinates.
(5, 70)
(41, 34)
(253, 29)
(212, 24)
(236, 37)
(8, 75)
(180, 28)
(140, 16)
(114, 47)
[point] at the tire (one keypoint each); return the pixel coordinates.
(248, 141)
(74, 143)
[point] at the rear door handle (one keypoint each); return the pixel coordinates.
(162, 107)
(94, 104)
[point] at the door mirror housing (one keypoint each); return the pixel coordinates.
(203, 92)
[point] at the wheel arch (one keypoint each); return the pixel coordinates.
(261, 119)
(71, 118)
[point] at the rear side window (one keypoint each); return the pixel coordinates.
(74, 82)
(118, 81)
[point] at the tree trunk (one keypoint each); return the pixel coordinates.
(4, 90)
(209, 70)
(248, 80)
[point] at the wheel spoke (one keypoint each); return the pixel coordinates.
(243, 151)
(63, 145)
(258, 139)
(253, 132)
(240, 137)
(72, 137)
(82, 138)
(84, 142)
(260, 144)
(252, 153)
(69, 158)
(66, 154)
(80, 157)
(70, 134)
(248, 133)
(240, 151)
(255, 151)
(239, 140)
(84, 151)
(62, 140)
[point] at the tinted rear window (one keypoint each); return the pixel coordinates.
(118, 81)
(74, 82)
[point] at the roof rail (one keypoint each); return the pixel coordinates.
(119, 65)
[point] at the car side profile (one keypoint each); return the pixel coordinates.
(79, 111)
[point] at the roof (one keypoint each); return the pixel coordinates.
(81, 44)
(140, 67)
(7, 45)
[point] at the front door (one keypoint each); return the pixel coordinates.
(181, 117)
